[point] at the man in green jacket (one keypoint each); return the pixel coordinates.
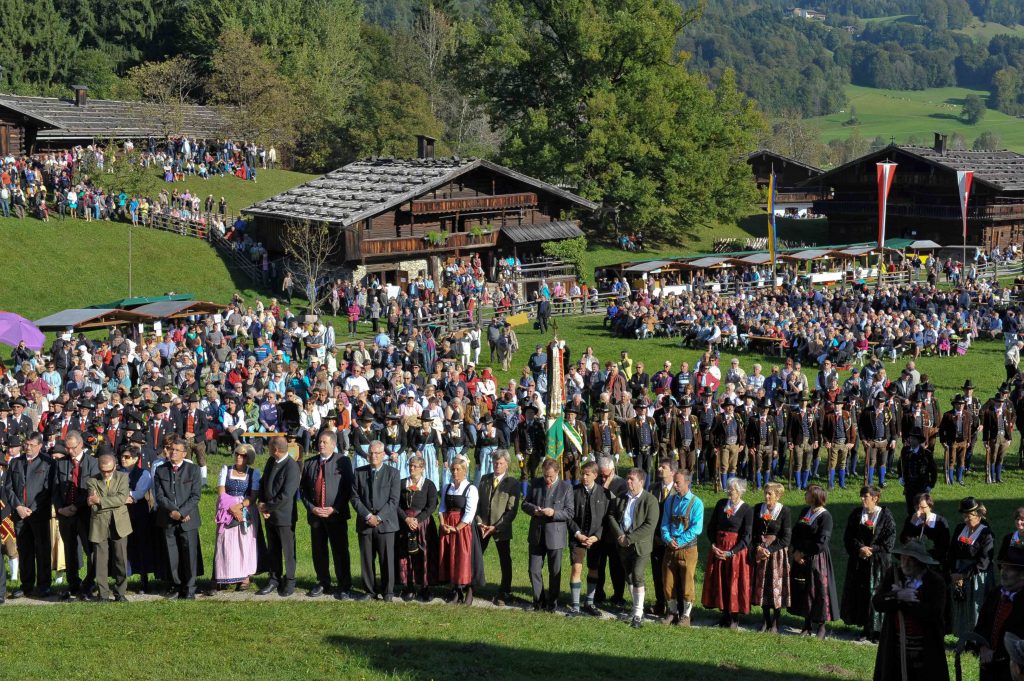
(110, 526)
(634, 522)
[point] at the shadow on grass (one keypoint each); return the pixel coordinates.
(945, 116)
(428, 659)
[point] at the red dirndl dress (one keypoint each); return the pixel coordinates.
(455, 553)
(727, 581)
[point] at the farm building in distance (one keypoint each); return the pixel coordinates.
(31, 124)
(791, 196)
(405, 217)
(924, 202)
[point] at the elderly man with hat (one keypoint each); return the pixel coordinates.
(917, 467)
(762, 442)
(530, 441)
(911, 598)
(997, 424)
(1002, 613)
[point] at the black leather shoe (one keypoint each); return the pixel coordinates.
(342, 596)
(17, 593)
(316, 592)
(188, 597)
(65, 596)
(45, 593)
(388, 598)
(636, 623)
(120, 599)
(270, 588)
(172, 594)
(286, 591)
(590, 610)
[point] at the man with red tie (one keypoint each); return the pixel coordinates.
(157, 431)
(70, 491)
(177, 487)
(326, 491)
(192, 426)
(1002, 613)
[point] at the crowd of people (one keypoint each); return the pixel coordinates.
(106, 459)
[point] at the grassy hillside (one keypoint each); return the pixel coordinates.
(73, 263)
(902, 113)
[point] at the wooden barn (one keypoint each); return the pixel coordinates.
(792, 196)
(32, 124)
(924, 200)
(406, 217)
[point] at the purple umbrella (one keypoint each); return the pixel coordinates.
(15, 328)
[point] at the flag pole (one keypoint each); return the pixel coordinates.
(886, 172)
(772, 226)
(964, 178)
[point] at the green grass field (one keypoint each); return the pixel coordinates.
(326, 639)
(902, 113)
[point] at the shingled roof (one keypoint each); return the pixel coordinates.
(1001, 170)
(63, 119)
(367, 188)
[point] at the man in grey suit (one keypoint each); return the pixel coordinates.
(177, 486)
(549, 505)
(375, 496)
(278, 486)
(633, 522)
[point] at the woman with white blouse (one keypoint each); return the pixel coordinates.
(460, 559)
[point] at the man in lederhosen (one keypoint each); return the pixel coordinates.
(878, 435)
(802, 434)
(762, 442)
(955, 430)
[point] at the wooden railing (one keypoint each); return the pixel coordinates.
(411, 245)
(476, 203)
(199, 227)
(991, 212)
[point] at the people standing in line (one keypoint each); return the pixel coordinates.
(177, 486)
(109, 526)
(325, 489)
(278, 488)
(682, 521)
(727, 577)
(549, 505)
(375, 498)
(770, 540)
(499, 504)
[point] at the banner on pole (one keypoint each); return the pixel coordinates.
(964, 178)
(886, 173)
(772, 191)
(556, 400)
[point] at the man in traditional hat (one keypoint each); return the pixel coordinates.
(838, 431)
(917, 467)
(530, 443)
(973, 405)
(955, 430)
(997, 424)
(728, 437)
(686, 438)
(877, 428)
(762, 442)
(911, 598)
(803, 437)
(642, 433)
(1002, 613)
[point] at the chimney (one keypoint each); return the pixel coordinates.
(424, 146)
(80, 94)
(940, 143)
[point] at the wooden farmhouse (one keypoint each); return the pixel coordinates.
(400, 218)
(924, 202)
(32, 124)
(791, 196)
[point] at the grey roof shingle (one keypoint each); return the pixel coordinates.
(542, 231)
(366, 188)
(101, 118)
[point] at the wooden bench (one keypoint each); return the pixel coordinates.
(773, 343)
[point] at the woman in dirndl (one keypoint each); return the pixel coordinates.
(395, 451)
(489, 439)
(237, 549)
(727, 579)
(869, 538)
(460, 558)
(456, 441)
(416, 543)
(970, 565)
(427, 443)
(813, 592)
(769, 556)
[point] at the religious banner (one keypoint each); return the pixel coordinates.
(556, 399)
(964, 178)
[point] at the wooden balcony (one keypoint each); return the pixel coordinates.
(474, 204)
(362, 249)
(991, 212)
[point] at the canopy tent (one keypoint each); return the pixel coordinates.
(923, 245)
(88, 318)
(809, 254)
(753, 259)
(855, 252)
(177, 309)
(707, 263)
(649, 267)
(138, 301)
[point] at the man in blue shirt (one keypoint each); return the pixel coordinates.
(682, 520)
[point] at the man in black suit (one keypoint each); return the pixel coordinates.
(549, 505)
(28, 490)
(326, 490)
(192, 425)
(606, 551)
(375, 499)
(278, 486)
(70, 491)
(157, 431)
(591, 502)
(177, 485)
